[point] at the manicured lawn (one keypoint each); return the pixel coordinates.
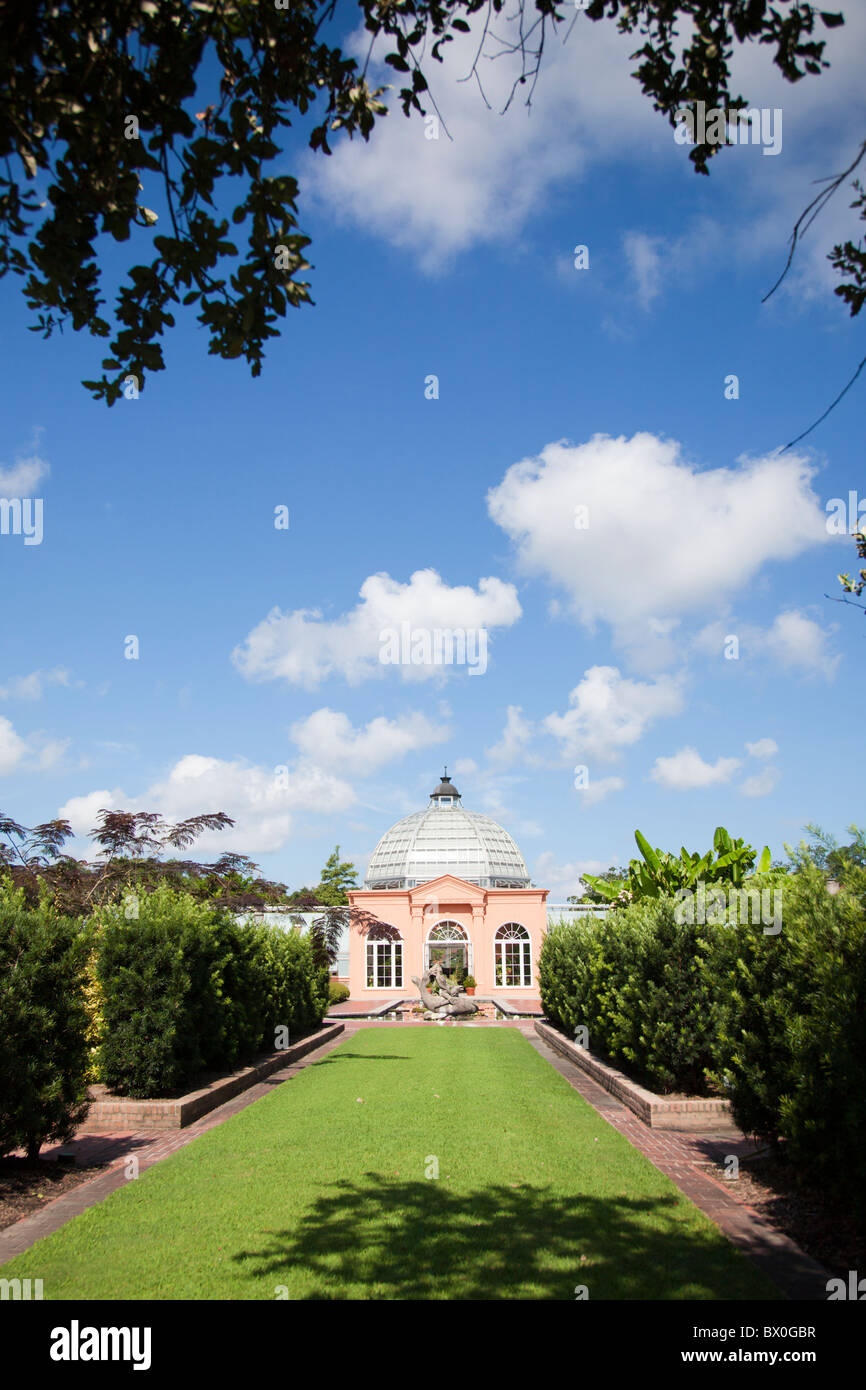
(320, 1189)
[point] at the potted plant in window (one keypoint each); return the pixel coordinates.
(469, 983)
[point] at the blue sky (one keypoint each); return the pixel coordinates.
(258, 689)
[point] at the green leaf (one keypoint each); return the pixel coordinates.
(601, 885)
(647, 851)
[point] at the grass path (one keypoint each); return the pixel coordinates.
(320, 1190)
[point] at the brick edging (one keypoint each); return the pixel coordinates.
(123, 1113)
(24, 1233)
(703, 1113)
(682, 1160)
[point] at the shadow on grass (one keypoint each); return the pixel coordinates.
(386, 1239)
(362, 1057)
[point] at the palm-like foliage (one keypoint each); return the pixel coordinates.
(661, 874)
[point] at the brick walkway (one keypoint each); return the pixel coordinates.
(684, 1158)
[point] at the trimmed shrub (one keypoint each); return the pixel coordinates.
(304, 1000)
(792, 1028)
(93, 1006)
(567, 966)
(338, 992)
(153, 975)
(637, 981)
(772, 1014)
(823, 1117)
(43, 1023)
(186, 987)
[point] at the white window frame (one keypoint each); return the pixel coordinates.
(523, 940)
(392, 950)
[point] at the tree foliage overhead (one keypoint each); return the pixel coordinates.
(132, 845)
(858, 584)
(674, 73)
(113, 106)
(101, 100)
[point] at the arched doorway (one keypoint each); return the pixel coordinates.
(448, 945)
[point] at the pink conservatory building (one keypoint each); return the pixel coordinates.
(448, 885)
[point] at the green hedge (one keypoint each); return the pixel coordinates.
(637, 981)
(775, 1019)
(185, 987)
(43, 1023)
(792, 1029)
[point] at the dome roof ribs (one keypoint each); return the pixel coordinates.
(445, 838)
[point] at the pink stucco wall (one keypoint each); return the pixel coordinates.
(480, 911)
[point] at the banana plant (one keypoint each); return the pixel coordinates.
(660, 874)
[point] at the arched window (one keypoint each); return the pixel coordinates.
(512, 956)
(448, 945)
(384, 958)
(447, 931)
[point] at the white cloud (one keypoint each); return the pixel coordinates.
(527, 829)
(515, 736)
(801, 644)
(563, 880)
(262, 801)
(646, 256)
(465, 767)
(36, 752)
(596, 791)
(438, 197)
(686, 770)
(764, 748)
(81, 811)
(304, 649)
(794, 641)
(656, 262)
(327, 737)
(13, 749)
(609, 713)
(50, 752)
(21, 478)
(762, 783)
(32, 687)
(662, 537)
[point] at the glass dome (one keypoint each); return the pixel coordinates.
(446, 839)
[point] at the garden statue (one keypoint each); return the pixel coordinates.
(451, 998)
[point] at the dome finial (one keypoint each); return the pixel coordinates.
(446, 792)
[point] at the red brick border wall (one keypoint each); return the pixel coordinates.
(698, 1113)
(109, 1112)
